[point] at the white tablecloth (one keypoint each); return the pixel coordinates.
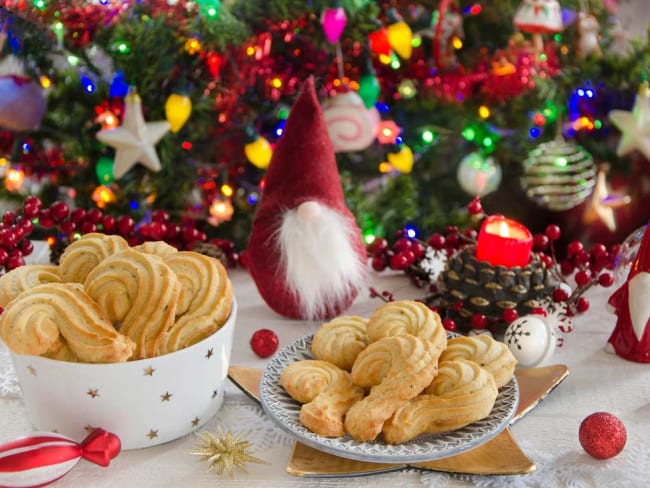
(549, 434)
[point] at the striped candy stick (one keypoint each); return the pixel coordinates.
(40, 458)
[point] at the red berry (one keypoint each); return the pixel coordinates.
(160, 216)
(25, 223)
(606, 280)
(14, 262)
(78, 215)
(4, 255)
(418, 249)
(598, 249)
(540, 242)
(474, 207)
(582, 305)
(560, 295)
(59, 210)
(157, 230)
(574, 248)
(457, 306)
(401, 245)
(379, 263)
(437, 241)
(67, 227)
(8, 217)
(125, 225)
(31, 206)
(509, 315)
(264, 342)
(378, 246)
(553, 232)
(108, 223)
(87, 227)
(583, 277)
(7, 238)
(479, 321)
(449, 324)
(453, 240)
(566, 267)
(26, 247)
(546, 260)
(400, 261)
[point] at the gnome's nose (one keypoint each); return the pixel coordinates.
(308, 211)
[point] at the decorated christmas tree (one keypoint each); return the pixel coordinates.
(173, 107)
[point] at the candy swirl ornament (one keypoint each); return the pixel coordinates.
(351, 126)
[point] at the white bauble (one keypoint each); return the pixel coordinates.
(478, 175)
(531, 339)
(22, 103)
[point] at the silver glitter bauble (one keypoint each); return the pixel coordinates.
(558, 175)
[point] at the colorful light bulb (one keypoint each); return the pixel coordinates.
(369, 87)
(258, 150)
(177, 110)
(104, 170)
(379, 42)
(400, 36)
(333, 20)
(401, 159)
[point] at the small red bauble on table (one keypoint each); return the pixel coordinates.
(264, 342)
(602, 435)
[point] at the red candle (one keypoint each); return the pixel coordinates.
(504, 242)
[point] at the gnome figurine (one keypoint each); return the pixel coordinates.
(631, 336)
(305, 251)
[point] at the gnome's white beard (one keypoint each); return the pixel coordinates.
(319, 258)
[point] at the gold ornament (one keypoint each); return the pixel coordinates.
(225, 451)
(134, 140)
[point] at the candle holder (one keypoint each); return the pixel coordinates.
(469, 286)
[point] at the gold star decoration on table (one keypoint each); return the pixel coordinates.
(603, 203)
(634, 125)
(225, 451)
(134, 140)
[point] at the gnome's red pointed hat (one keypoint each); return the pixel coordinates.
(641, 264)
(303, 169)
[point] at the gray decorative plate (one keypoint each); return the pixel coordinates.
(284, 410)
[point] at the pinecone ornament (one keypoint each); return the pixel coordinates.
(211, 250)
(469, 287)
(558, 175)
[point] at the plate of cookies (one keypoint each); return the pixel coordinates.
(392, 388)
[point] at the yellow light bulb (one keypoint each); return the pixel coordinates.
(483, 112)
(457, 42)
(402, 161)
(226, 190)
(400, 38)
(259, 152)
(192, 46)
(177, 110)
(14, 179)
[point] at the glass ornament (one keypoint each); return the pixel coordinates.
(478, 175)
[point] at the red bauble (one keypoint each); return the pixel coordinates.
(264, 343)
(602, 435)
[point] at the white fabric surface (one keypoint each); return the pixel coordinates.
(549, 434)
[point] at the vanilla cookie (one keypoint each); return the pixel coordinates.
(37, 321)
(17, 280)
(82, 255)
(340, 340)
(407, 317)
(396, 369)
(326, 391)
(461, 393)
(157, 248)
(493, 355)
(205, 299)
(139, 294)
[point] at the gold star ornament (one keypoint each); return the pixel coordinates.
(225, 451)
(134, 140)
(634, 125)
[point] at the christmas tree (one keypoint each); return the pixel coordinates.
(174, 105)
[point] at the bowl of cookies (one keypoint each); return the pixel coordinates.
(394, 387)
(135, 340)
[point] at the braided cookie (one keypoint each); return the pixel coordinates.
(326, 391)
(34, 322)
(139, 293)
(14, 282)
(340, 340)
(82, 255)
(487, 352)
(407, 317)
(462, 393)
(204, 302)
(397, 368)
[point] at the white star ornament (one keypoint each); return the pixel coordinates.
(634, 125)
(134, 140)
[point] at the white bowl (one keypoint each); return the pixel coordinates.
(144, 402)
